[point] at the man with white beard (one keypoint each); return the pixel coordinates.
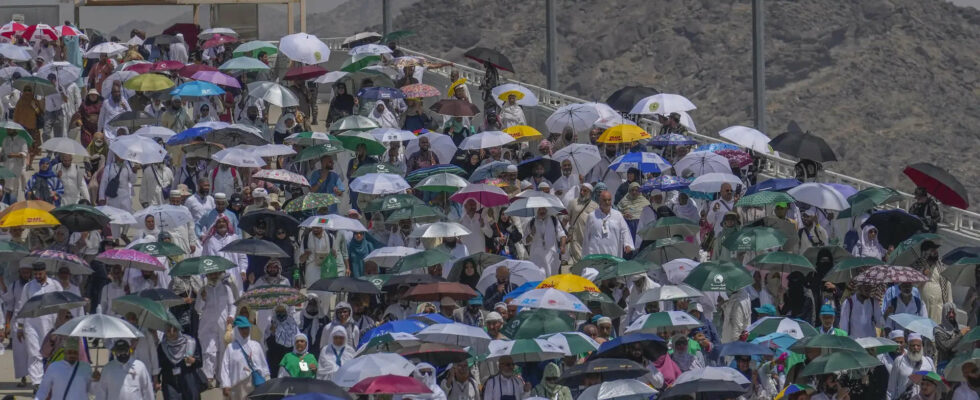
(567, 181)
(913, 360)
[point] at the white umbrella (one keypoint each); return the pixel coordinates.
(138, 149)
(916, 323)
(273, 93)
(747, 137)
(561, 339)
(456, 334)
(155, 132)
(167, 216)
(551, 299)
(525, 350)
(663, 104)
(820, 195)
(707, 381)
(486, 140)
(702, 162)
(525, 96)
(218, 31)
(237, 157)
(609, 122)
(108, 48)
(388, 135)
(117, 216)
(678, 269)
(521, 272)
(620, 389)
(65, 73)
(122, 77)
(584, 156)
(580, 117)
(386, 257)
(439, 230)
(64, 146)
(400, 340)
(687, 121)
(135, 41)
(333, 222)
(305, 48)
(668, 293)
(658, 321)
(711, 183)
(371, 49)
(528, 206)
(439, 143)
(375, 183)
(268, 150)
(99, 326)
(442, 180)
(330, 77)
(16, 53)
(371, 365)
(7, 73)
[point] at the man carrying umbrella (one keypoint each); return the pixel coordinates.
(114, 105)
(68, 378)
(34, 329)
(718, 208)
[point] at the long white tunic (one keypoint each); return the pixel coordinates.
(601, 173)
(544, 237)
(14, 145)
(124, 195)
(155, 178)
(715, 217)
(234, 366)
(11, 301)
(319, 248)
(110, 110)
(898, 378)
(111, 291)
(860, 319)
(737, 316)
(73, 178)
(476, 241)
(199, 205)
(606, 233)
(224, 181)
(215, 307)
(36, 328)
(129, 381)
(56, 381)
(213, 246)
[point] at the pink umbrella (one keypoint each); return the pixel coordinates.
(216, 78)
(131, 258)
(483, 194)
(219, 40)
(167, 65)
(389, 384)
(39, 31)
(419, 90)
(140, 68)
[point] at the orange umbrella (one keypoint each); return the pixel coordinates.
(20, 205)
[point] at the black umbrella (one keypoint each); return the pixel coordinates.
(609, 369)
(81, 218)
(455, 108)
(552, 168)
(894, 226)
(275, 389)
(624, 99)
(234, 135)
(720, 389)
(272, 219)
(344, 284)
(133, 120)
(255, 247)
(163, 296)
(485, 55)
(435, 353)
(50, 303)
(411, 279)
(803, 145)
(939, 183)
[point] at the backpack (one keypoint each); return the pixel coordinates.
(42, 190)
(893, 303)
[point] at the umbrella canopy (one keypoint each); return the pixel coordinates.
(886, 274)
(879, 344)
(939, 183)
(304, 48)
(167, 216)
(782, 262)
(663, 104)
(379, 184)
(910, 250)
(754, 238)
(713, 182)
(627, 268)
(311, 201)
(273, 220)
(820, 195)
(284, 177)
(962, 272)
(521, 272)
(55, 260)
(440, 230)
(645, 162)
(551, 299)
(398, 326)
(574, 343)
(304, 72)
(387, 257)
(268, 297)
(243, 64)
(417, 213)
(98, 326)
(793, 327)
(915, 323)
(623, 133)
(299, 389)
(868, 199)
(28, 218)
(485, 140)
(740, 348)
(65, 73)
(154, 132)
(138, 149)
(665, 250)
(723, 382)
(668, 293)
(608, 369)
(580, 117)
(894, 226)
(149, 83)
(390, 385)
(773, 185)
(255, 247)
(273, 93)
(668, 227)
(568, 283)
(524, 96)
(50, 303)
(117, 216)
(422, 259)
(663, 321)
(392, 202)
(839, 361)
(724, 276)
(166, 297)
(484, 55)
(197, 89)
(372, 365)
(254, 48)
(552, 168)
(653, 346)
(804, 145)
(625, 98)
(749, 138)
(528, 206)
(456, 334)
(483, 194)
(701, 163)
(439, 290)
(345, 284)
(388, 343)
(537, 322)
(129, 258)
(420, 90)
(525, 350)
(439, 143)
(81, 218)
(622, 389)
(849, 268)
(149, 313)
(826, 342)
(238, 158)
(442, 182)
(762, 199)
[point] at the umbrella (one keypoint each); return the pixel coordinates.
(910, 250)
(819, 195)
(754, 238)
(217, 31)
(521, 290)
(129, 258)
(627, 268)
(422, 259)
(525, 350)
(773, 185)
(138, 149)
(273, 93)
(154, 132)
(736, 158)
(243, 64)
(439, 143)
(663, 104)
(392, 202)
(668, 293)
(568, 283)
(268, 297)
(50, 303)
(11, 28)
(354, 123)
(9, 73)
(954, 369)
(804, 145)
(673, 139)
(285, 177)
(719, 382)
(524, 133)
(318, 151)
(600, 303)
(420, 90)
(749, 138)
(304, 48)
(489, 170)
(962, 272)
(308, 138)
(117, 216)
(98, 326)
(388, 343)
(65, 73)
(839, 361)
(663, 321)
(484, 55)
(939, 183)
(762, 199)
(525, 97)
(712, 182)
(847, 269)
(915, 323)
(344, 284)
(740, 348)
(197, 89)
(550, 299)
(417, 213)
(868, 199)
(537, 322)
(28, 218)
(167, 216)
(107, 48)
(960, 252)
(668, 227)
(397, 326)
(273, 219)
(782, 262)
(456, 334)
(879, 344)
(375, 93)
(386, 257)
(148, 83)
(480, 261)
(238, 158)
(360, 38)
(723, 276)
(254, 48)
(299, 389)
(166, 297)
(439, 230)
(55, 260)
(255, 247)
(484, 195)
(379, 184)
(485, 140)
(352, 139)
(621, 389)
(218, 40)
(10, 251)
(81, 218)
(623, 133)
(886, 274)
(439, 290)
(665, 183)
(521, 272)
(702, 162)
(149, 313)
(667, 249)
(552, 168)
(310, 201)
(576, 343)
(41, 86)
(132, 120)
(653, 346)
(189, 70)
(166, 65)
(826, 342)
(388, 135)
(793, 327)
(622, 100)
(372, 365)
(16, 53)
(455, 108)
(389, 385)
(645, 162)
(580, 117)
(435, 354)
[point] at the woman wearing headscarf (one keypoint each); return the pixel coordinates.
(357, 250)
(282, 333)
(869, 246)
(426, 374)
(335, 353)
(313, 321)
(29, 113)
(298, 363)
(549, 387)
(415, 117)
(218, 236)
(342, 318)
(180, 359)
(341, 105)
(797, 301)
(45, 184)
(205, 113)
(383, 116)
(287, 125)
(87, 116)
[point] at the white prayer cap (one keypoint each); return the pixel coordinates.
(914, 336)
(493, 316)
(896, 333)
(590, 273)
(511, 168)
(588, 185)
(220, 196)
(544, 185)
(259, 193)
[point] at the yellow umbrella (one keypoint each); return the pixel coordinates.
(148, 83)
(517, 95)
(25, 204)
(452, 88)
(570, 283)
(523, 132)
(623, 133)
(29, 218)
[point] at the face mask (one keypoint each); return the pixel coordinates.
(123, 358)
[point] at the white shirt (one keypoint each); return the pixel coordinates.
(715, 217)
(234, 366)
(964, 392)
(73, 178)
(476, 241)
(53, 102)
(199, 206)
(898, 379)
(130, 381)
(56, 381)
(860, 319)
(606, 233)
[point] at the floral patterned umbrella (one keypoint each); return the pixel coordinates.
(672, 139)
(268, 297)
(55, 260)
(885, 274)
(281, 176)
(738, 158)
(419, 90)
(310, 201)
(664, 183)
(131, 258)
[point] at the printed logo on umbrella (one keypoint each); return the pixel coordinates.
(153, 247)
(317, 55)
(208, 262)
(654, 106)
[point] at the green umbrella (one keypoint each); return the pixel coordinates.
(668, 227)
(762, 199)
(81, 218)
(377, 280)
(422, 173)
(840, 361)
(837, 253)
(8, 125)
(796, 328)
(537, 322)
(481, 260)
(848, 268)
(867, 199)
(575, 342)
(828, 342)
(243, 64)
(667, 249)
(443, 183)
(659, 321)
(150, 314)
(600, 303)
(724, 276)
(954, 370)
(201, 266)
(780, 261)
(422, 259)
(354, 123)
(420, 212)
(598, 262)
(352, 139)
(352, 65)
(310, 201)
(526, 350)
(396, 36)
(159, 249)
(255, 48)
(392, 202)
(378, 168)
(6, 173)
(626, 268)
(310, 139)
(755, 238)
(909, 250)
(963, 272)
(12, 251)
(318, 151)
(42, 87)
(878, 344)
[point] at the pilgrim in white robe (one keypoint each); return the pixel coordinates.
(544, 240)
(123, 199)
(234, 366)
(62, 382)
(37, 327)
(156, 177)
(479, 226)
(73, 179)
(11, 301)
(213, 246)
(216, 305)
(129, 381)
(607, 233)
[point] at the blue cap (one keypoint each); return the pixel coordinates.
(242, 322)
(478, 300)
(767, 309)
(827, 309)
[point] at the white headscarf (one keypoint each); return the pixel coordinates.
(429, 381)
(281, 124)
(384, 118)
(210, 116)
(868, 247)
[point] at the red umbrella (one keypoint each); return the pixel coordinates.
(190, 32)
(189, 70)
(305, 72)
(420, 90)
(140, 68)
(67, 30)
(39, 31)
(436, 291)
(219, 40)
(738, 158)
(939, 183)
(389, 384)
(11, 28)
(167, 65)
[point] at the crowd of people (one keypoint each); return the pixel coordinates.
(583, 239)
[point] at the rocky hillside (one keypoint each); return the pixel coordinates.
(886, 82)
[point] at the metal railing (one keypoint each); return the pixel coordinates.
(956, 221)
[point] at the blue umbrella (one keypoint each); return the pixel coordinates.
(716, 147)
(671, 139)
(697, 195)
(197, 89)
(773, 185)
(188, 136)
(653, 346)
(780, 339)
(739, 348)
(380, 93)
(960, 252)
(431, 318)
(401, 325)
(665, 183)
(521, 289)
(487, 171)
(645, 162)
